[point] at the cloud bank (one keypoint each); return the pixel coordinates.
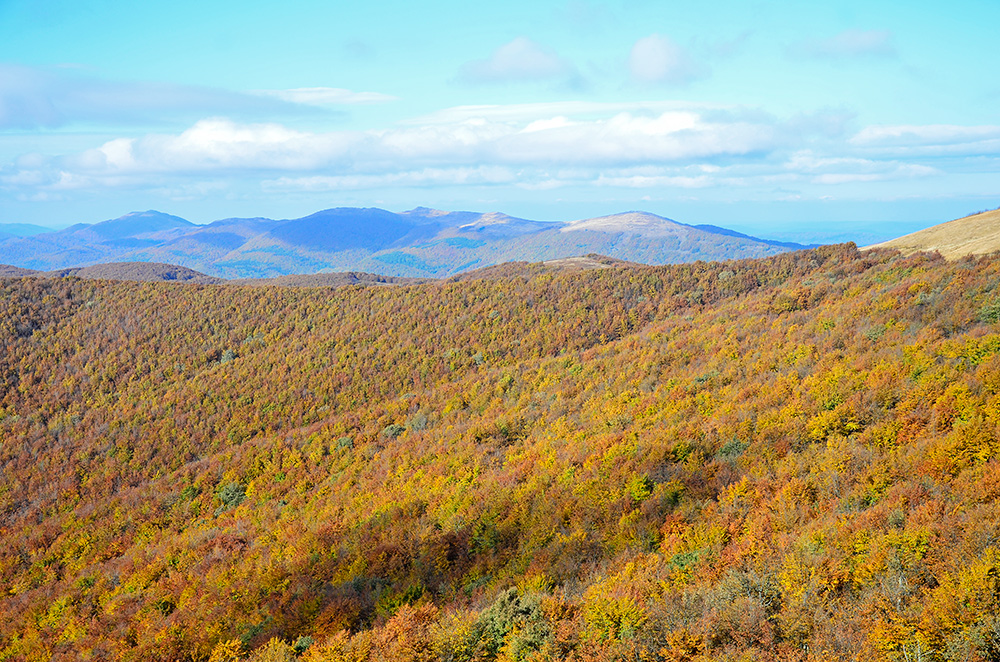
(652, 147)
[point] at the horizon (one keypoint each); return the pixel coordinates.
(773, 120)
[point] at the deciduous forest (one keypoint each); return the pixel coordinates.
(792, 458)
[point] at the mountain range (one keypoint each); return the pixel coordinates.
(422, 242)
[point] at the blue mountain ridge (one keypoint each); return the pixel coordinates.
(421, 242)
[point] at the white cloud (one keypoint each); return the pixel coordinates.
(927, 134)
(558, 122)
(327, 96)
(639, 138)
(657, 59)
(846, 170)
(889, 172)
(519, 60)
(216, 144)
(32, 98)
(660, 181)
(847, 44)
(930, 140)
(530, 112)
(621, 138)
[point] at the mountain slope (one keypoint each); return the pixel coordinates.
(978, 234)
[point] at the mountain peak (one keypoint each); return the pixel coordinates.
(150, 215)
(493, 218)
(634, 222)
(425, 212)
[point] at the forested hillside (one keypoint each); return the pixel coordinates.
(793, 458)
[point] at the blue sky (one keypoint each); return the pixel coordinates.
(780, 118)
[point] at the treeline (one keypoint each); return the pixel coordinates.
(790, 458)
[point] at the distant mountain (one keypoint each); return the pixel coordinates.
(420, 243)
(150, 225)
(21, 229)
(84, 244)
(978, 234)
(634, 236)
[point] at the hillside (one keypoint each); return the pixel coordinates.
(9, 271)
(157, 272)
(135, 271)
(978, 234)
(420, 243)
(794, 458)
(530, 269)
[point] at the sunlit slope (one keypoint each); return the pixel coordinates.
(978, 234)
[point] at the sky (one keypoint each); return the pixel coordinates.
(785, 119)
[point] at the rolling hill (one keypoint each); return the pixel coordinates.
(135, 271)
(169, 273)
(978, 234)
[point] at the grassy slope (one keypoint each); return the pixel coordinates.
(978, 234)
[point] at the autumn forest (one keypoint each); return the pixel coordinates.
(789, 458)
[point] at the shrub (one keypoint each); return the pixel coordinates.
(274, 650)
(392, 431)
(639, 488)
(513, 621)
(301, 644)
(231, 495)
(990, 312)
(733, 449)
